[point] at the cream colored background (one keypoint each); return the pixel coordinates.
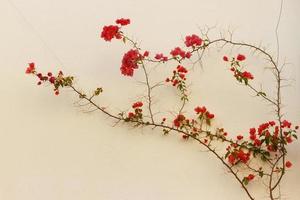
(50, 150)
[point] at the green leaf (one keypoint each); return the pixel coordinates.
(261, 94)
(295, 136)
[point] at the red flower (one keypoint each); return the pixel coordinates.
(30, 69)
(193, 40)
(123, 22)
(252, 131)
(56, 92)
(244, 157)
(199, 110)
(130, 115)
(253, 137)
(209, 115)
(178, 120)
(247, 75)
(250, 177)
(285, 124)
(127, 71)
(262, 128)
(288, 164)
(231, 159)
(257, 142)
(181, 69)
(159, 56)
(146, 54)
(129, 62)
(175, 82)
(137, 104)
(185, 137)
(178, 52)
(225, 58)
(110, 32)
(289, 139)
(188, 54)
(52, 80)
(272, 123)
(240, 57)
(239, 137)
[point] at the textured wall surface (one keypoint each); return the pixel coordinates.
(50, 149)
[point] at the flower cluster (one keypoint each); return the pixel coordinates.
(204, 114)
(179, 120)
(161, 57)
(235, 154)
(178, 53)
(123, 22)
(112, 31)
(30, 69)
(137, 114)
(262, 141)
(268, 134)
(130, 62)
(195, 126)
(239, 74)
(178, 80)
(57, 81)
(193, 41)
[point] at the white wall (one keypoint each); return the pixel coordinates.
(49, 149)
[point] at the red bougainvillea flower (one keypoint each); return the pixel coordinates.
(110, 32)
(257, 142)
(188, 54)
(161, 57)
(193, 41)
(178, 120)
(181, 69)
(272, 123)
(123, 22)
(288, 164)
(130, 62)
(201, 110)
(52, 80)
(286, 124)
(130, 115)
(252, 131)
(289, 139)
(137, 104)
(231, 159)
(240, 57)
(239, 137)
(247, 75)
(146, 54)
(250, 177)
(185, 137)
(209, 115)
(225, 58)
(178, 52)
(30, 69)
